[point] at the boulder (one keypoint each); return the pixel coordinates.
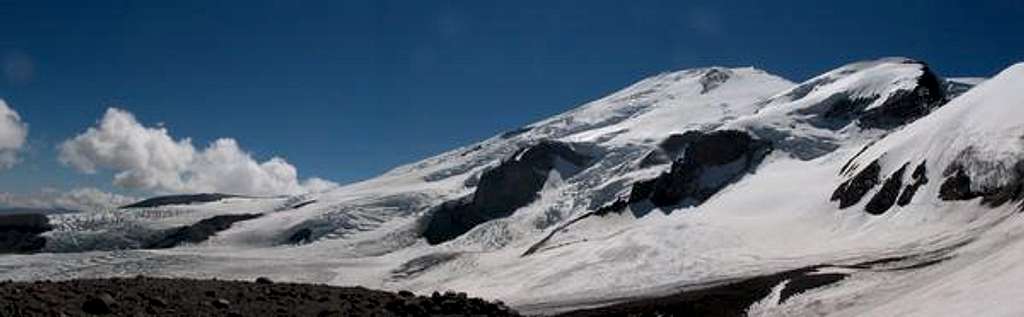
(101, 304)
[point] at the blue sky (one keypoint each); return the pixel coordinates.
(344, 90)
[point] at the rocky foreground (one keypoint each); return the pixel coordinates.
(144, 296)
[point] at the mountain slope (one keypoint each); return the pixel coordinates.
(691, 181)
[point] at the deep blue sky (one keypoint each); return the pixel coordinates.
(347, 89)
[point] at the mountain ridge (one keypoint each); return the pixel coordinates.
(682, 182)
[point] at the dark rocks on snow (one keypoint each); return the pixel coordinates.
(713, 78)
(850, 192)
(20, 233)
(1012, 191)
(907, 106)
(514, 183)
(900, 108)
(670, 149)
(955, 88)
(849, 163)
(517, 180)
(886, 197)
(709, 162)
(958, 186)
(843, 108)
(304, 235)
(179, 200)
(303, 204)
(919, 178)
(422, 264)
(198, 232)
(513, 133)
(729, 298)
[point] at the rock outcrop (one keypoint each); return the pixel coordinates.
(179, 200)
(850, 192)
(959, 186)
(886, 197)
(198, 232)
(708, 163)
(514, 183)
(909, 105)
(918, 178)
(898, 108)
(20, 233)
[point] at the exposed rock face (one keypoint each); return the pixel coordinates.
(919, 178)
(19, 233)
(898, 109)
(179, 200)
(958, 186)
(515, 183)
(713, 78)
(199, 232)
(304, 235)
(886, 197)
(907, 106)
(670, 149)
(709, 162)
(955, 88)
(43, 211)
(731, 298)
(850, 192)
(422, 264)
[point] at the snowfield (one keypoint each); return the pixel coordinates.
(651, 211)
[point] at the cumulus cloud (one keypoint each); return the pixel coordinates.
(149, 158)
(81, 199)
(13, 133)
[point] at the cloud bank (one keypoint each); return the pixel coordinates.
(80, 199)
(13, 133)
(149, 158)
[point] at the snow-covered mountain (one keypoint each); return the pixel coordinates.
(901, 184)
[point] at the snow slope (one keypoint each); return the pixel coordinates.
(590, 236)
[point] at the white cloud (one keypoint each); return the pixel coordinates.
(149, 158)
(81, 199)
(13, 133)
